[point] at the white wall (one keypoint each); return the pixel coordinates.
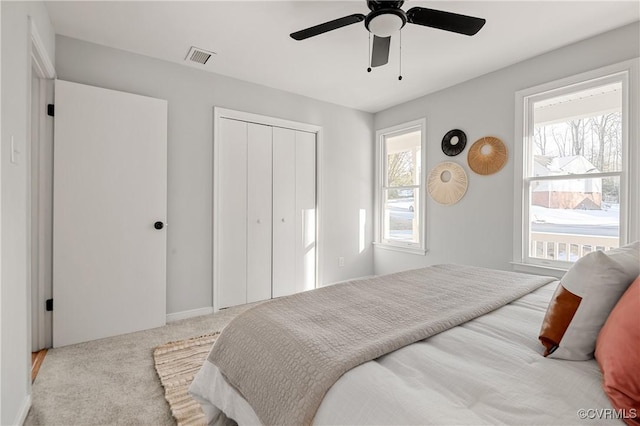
(15, 343)
(347, 158)
(479, 229)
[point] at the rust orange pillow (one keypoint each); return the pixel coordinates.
(560, 312)
(618, 354)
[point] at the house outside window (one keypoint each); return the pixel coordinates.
(400, 188)
(577, 166)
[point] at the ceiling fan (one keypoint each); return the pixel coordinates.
(387, 17)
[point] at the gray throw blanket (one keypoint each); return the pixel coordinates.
(285, 354)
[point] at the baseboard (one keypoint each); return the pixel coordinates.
(176, 316)
(347, 280)
(24, 410)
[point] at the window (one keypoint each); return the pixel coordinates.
(400, 204)
(574, 182)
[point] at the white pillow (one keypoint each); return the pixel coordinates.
(584, 299)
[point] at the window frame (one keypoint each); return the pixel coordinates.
(381, 172)
(625, 72)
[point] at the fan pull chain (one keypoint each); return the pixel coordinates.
(400, 62)
(369, 57)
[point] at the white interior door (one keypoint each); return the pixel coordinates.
(284, 212)
(110, 193)
(259, 212)
(306, 243)
(231, 238)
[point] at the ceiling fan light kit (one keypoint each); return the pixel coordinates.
(387, 18)
(385, 22)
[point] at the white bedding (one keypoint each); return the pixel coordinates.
(489, 370)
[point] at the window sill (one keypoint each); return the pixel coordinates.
(404, 249)
(530, 268)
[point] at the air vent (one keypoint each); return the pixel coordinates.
(198, 55)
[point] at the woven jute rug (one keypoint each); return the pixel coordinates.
(177, 364)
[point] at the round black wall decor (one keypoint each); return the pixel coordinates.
(453, 142)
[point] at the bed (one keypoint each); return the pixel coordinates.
(481, 364)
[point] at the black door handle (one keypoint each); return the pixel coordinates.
(158, 225)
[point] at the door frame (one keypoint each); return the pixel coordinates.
(38, 216)
(220, 113)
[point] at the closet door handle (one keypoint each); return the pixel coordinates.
(283, 220)
(258, 221)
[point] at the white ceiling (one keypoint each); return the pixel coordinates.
(252, 41)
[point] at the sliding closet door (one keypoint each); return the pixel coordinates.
(284, 212)
(265, 204)
(232, 211)
(305, 244)
(259, 213)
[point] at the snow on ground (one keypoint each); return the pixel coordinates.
(610, 215)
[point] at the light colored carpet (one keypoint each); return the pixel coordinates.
(177, 364)
(113, 380)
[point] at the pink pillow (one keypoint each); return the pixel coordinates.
(618, 354)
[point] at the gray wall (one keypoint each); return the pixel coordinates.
(15, 332)
(347, 158)
(479, 229)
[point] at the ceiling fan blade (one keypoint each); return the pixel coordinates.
(448, 21)
(380, 51)
(327, 26)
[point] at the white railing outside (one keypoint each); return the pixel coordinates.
(568, 247)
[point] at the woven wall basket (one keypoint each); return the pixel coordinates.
(447, 183)
(487, 155)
